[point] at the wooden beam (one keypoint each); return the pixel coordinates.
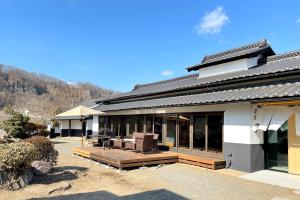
(280, 103)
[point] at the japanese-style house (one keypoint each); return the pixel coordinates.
(240, 105)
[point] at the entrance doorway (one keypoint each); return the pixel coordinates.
(276, 149)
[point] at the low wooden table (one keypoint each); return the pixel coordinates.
(102, 140)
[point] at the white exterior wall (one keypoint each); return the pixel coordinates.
(75, 124)
(238, 122)
(95, 125)
(65, 124)
(89, 124)
(237, 65)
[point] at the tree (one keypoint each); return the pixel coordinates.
(16, 125)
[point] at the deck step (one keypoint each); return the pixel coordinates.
(128, 159)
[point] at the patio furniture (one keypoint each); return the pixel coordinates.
(118, 143)
(144, 144)
(130, 143)
(95, 141)
(155, 141)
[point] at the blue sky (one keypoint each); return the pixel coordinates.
(119, 43)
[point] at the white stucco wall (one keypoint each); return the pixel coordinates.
(89, 124)
(64, 124)
(238, 121)
(237, 65)
(75, 124)
(95, 125)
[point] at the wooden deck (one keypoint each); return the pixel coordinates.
(128, 159)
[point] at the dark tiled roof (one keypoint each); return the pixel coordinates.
(283, 56)
(90, 103)
(234, 95)
(239, 52)
(276, 64)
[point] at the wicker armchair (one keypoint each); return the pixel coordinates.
(144, 144)
(131, 144)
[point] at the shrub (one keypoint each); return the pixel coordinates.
(16, 157)
(45, 149)
(36, 129)
(15, 126)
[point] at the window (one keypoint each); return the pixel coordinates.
(131, 123)
(108, 130)
(184, 131)
(171, 120)
(140, 123)
(149, 124)
(101, 125)
(123, 128)
(158, 124)
(215, 132)
(199, 132)
(116, 122)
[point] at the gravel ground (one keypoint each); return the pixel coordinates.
(90, 180)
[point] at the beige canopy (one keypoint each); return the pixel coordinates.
(80, 111)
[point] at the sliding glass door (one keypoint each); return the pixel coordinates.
(123, 127)
(184, 131)
(149, 124)
(158, 126)
(199, 130)
(171, 122)
(131, 123)
(215, 132)
(140, 120)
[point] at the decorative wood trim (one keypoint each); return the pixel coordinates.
(280, 103)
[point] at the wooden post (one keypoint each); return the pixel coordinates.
(69, 132)
(81, 131)
(191, 132)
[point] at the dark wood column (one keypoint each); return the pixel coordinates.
(69, 131)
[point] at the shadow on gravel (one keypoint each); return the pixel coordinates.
(155, 194)
(57, 174)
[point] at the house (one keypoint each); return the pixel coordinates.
(240, 105)
(71, 125)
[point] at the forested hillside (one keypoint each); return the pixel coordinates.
(43, 95)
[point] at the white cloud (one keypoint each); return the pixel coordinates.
(212, 22)
(167, 72)
(298, 20)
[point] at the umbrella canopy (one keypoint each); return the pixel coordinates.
(80, 111)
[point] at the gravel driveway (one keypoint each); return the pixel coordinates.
(90, 180)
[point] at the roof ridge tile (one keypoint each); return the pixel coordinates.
(283, 56)
(258, 44)
(168, 80)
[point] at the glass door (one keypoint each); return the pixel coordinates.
(171, 121)
(149, 124)
(123, 126)
(158, 124)
(276, 149)
(215, 132)
(140, 119)
(199, 132)
(184, 131)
